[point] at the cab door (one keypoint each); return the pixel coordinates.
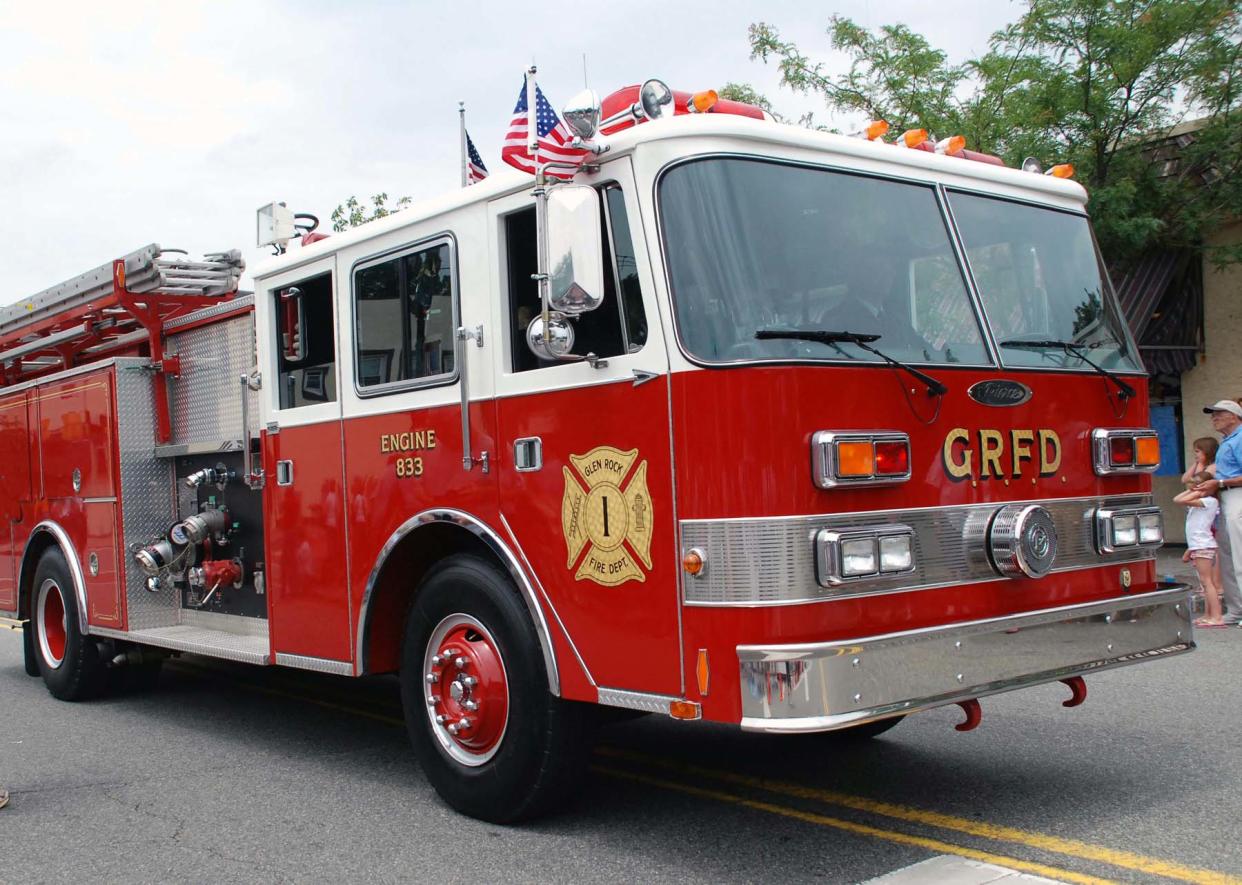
(304, 501)
(584, 465)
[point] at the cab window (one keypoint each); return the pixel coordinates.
(306, 338)
(404, 319)
(617, 326)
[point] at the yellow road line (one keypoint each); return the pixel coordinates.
(859, 829)
(1071, 847)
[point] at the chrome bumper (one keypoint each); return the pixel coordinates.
(823, 686)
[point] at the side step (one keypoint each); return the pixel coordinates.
(245, 641)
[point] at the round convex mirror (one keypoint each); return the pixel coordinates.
(559, 341)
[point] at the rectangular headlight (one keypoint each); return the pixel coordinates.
(1151, 528)
(863, 553)
(896, 553)
(1125, 530)
(858, 558)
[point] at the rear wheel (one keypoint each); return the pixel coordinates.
(489, 735)
(67, 659)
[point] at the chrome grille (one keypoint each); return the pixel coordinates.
(772, 561)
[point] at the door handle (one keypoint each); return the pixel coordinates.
(284, 473)
(528, 454)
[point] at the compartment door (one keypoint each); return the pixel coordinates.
(304, 503)
(14, 489)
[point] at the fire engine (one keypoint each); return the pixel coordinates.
(735, 421)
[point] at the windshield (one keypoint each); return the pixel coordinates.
(757, 245)
(1040, 280)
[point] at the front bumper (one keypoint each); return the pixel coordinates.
(823, 686)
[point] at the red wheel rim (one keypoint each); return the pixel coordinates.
(51, 625)
(467, 689)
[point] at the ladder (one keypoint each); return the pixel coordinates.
(116, 307)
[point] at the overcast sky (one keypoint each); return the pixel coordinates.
(124, 123)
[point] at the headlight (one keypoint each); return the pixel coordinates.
(1127, 528)
(846, 555)
(1151, 529)
(1125, 531)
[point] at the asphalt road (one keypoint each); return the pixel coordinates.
(228, 773)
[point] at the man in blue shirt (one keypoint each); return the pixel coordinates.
(1227, 421)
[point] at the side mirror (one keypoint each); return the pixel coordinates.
(292, 324)
(559, 341)
(575, 251)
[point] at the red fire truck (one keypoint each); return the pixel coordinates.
(744, 422)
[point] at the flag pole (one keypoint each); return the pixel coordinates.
(465, 157)
(541, 202)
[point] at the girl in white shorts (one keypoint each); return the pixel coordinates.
(1201, 513)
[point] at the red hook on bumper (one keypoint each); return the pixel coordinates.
(1078, 689)
(974, 715)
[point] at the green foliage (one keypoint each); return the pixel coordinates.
(351, 213)
(1097, 83)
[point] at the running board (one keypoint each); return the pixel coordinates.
(249, 647)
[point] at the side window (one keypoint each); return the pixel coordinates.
(403, 319)
(617, 326)
(306, 336)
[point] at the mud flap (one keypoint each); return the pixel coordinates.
(32, 665)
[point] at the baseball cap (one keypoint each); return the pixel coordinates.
(1225, 405)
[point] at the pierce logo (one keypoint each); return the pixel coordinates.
(607, 516)
(999, 392)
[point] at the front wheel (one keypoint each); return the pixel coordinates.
(67, 659)
(489, 735)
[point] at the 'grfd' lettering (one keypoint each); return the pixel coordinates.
(995, 459)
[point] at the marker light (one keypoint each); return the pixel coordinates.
(702, 102)
(1128, 450)
(954, 144)
(703, 672)
(859, 457)
(875, 129)
(693, 562)
(912, 138)
(1062, 170)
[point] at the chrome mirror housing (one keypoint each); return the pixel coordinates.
(581, 114)
(656, 99)
(575, 253)
(559, 341)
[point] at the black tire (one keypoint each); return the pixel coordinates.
(68, 661)
(540, 742)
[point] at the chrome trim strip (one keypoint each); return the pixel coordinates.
(771, 561)
(121, 362)
(828, 685)
(319, 665)
(493, 541)
(636, 700)
(75, 568)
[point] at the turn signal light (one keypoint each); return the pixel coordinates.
(693, 562)
(855, 458)
(954, 144)
(702, 102)
(685, 710)
(912, 138)
(1062, 170)
(859, 457)
(1126, 450)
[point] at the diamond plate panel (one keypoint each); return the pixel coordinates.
(214, 643)
(206, 398)
(148, 501)
(772, 561)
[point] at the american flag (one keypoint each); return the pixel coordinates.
(475, 170)
(555, 140)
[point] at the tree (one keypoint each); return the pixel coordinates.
(351, 213)
(1096, 83)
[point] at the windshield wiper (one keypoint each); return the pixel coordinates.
(858, 339)
(1073, 348)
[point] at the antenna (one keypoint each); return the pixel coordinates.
(586, 83)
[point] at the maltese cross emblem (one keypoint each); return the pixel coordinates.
(607, 516)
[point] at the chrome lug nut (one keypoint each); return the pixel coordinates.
(432, 677)
(452, 729)
(463, 724)
(460, 663)
(436, 660)
(470, 705)
(470, 681)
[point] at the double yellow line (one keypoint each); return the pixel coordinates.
(691, 778)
